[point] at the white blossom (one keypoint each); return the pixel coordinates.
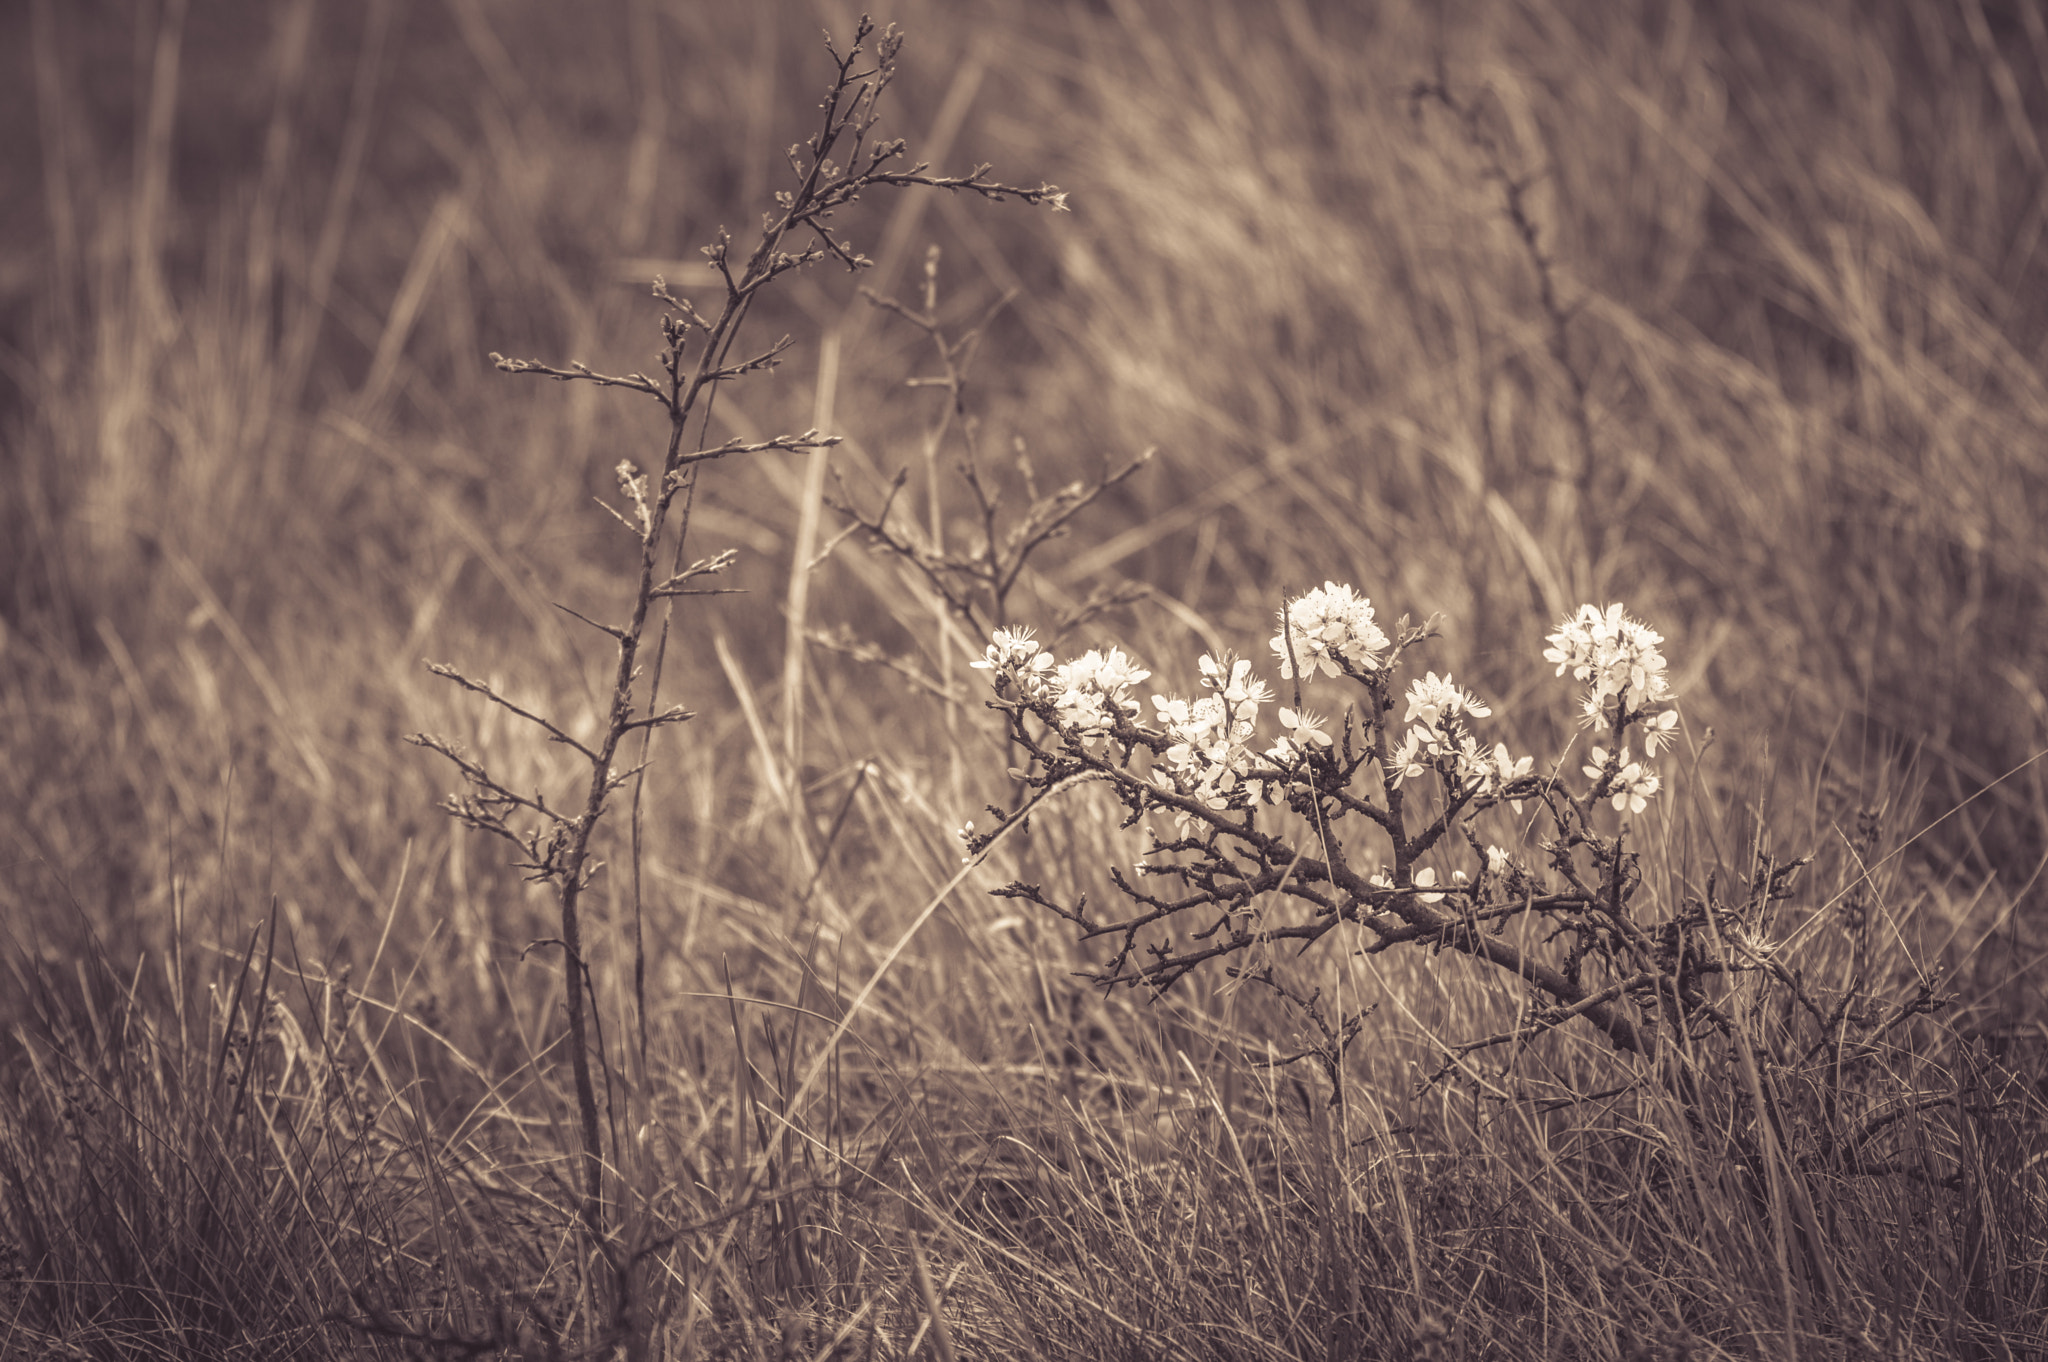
(1330, 625)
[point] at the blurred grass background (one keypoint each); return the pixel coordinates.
(1734, 312)
(259, 464)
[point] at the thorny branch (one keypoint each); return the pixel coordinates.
(832, 168)
(974, 584)
(1260, 861)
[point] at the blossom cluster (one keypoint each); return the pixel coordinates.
(1439, 739)
(1620, 658)
(1015, 657)
(1091, 694)
(1629, 783)
(1206, 748)
(1207, 756)
(1627, 683)
(1325, 629)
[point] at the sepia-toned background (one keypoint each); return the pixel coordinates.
(1732, 312)
(259, 463)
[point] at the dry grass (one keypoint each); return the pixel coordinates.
(1731, 312)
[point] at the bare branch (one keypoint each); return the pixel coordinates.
(580, 371)
(443, 670)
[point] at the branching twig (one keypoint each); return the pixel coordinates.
(838, 162)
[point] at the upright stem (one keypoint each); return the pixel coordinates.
(575, 972)
(560, 849)
(579, 1054)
